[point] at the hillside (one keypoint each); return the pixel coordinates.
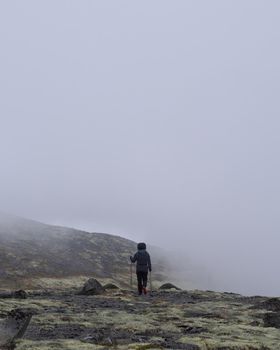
(33, 254)
(57, 260)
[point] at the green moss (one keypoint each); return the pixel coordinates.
(147, 346)
(57, 345)
(226, 321)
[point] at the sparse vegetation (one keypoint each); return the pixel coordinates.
(45, 254)
(120, 319)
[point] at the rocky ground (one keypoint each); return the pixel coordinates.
(164, 319)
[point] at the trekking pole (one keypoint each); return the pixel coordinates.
(151, 285)
(131, 275)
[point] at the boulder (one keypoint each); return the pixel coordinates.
(13, 327)
(272, 304)
(92, 287)
(271, 319)
(18, 294)
(167, 286)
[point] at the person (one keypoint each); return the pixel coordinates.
(143, 265)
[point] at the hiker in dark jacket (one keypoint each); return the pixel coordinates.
(143, 265)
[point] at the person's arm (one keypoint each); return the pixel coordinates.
(133, 258)
(149, 263)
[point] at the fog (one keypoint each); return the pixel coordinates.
(155, 120)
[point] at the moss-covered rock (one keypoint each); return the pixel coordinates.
(167, 286)
(92, 287)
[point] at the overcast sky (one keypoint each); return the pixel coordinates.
(155, 120)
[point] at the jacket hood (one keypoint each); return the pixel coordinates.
(141, 246)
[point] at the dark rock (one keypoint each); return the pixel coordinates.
(13, 326)
(11, 346)
(272, 304)
(187, 329)
(20, 294)
(272, 319)
(168, 286)
(175, 345)
(5, 295)
(92, 287)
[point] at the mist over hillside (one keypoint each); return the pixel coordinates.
(159, 125)
(31, 251)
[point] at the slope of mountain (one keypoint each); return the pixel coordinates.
(31, 252)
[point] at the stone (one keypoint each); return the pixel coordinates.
(13, 326)
(92, 287)
(168, 286)
(272, 304)
(18, 294)
(272, 319)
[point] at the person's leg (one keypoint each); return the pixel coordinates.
(145, 279)
(139, 280)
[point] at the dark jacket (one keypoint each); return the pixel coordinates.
(142, 257)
